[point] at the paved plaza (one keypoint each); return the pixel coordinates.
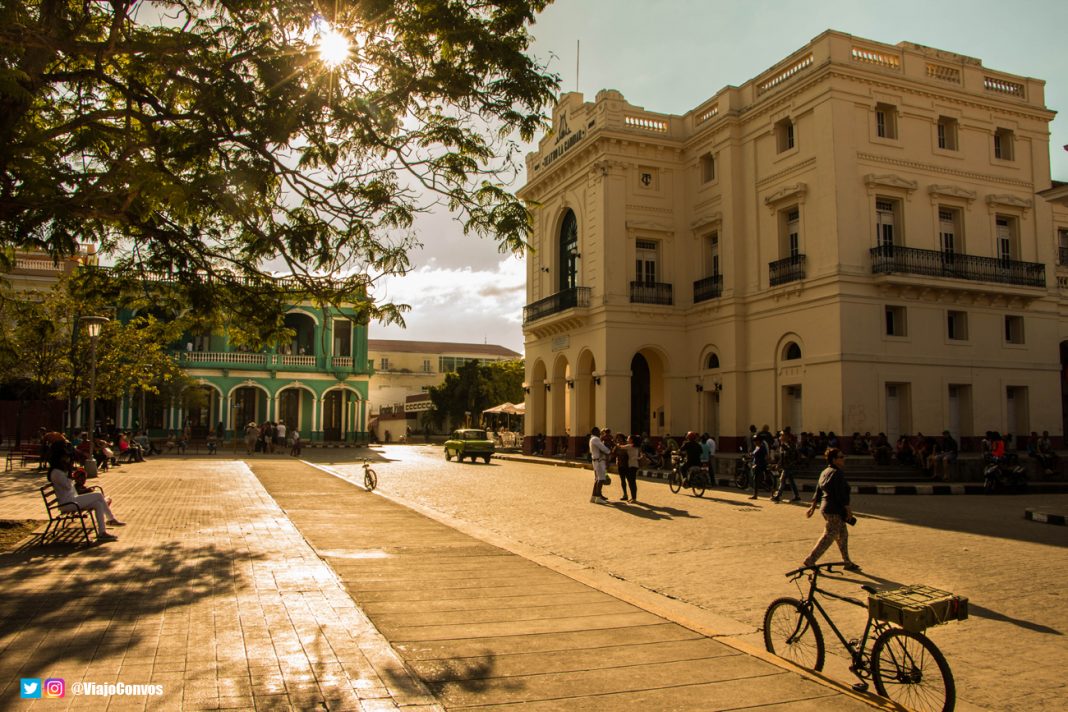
(276, 584)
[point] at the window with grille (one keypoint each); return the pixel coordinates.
(1007, 249)
(645, 262)
(886, 231)
(949, 221)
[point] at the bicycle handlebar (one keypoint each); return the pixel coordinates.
(798, 572)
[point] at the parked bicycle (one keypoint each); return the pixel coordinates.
(744, 473)
(904, 664)
(370, 477)
(697, 478)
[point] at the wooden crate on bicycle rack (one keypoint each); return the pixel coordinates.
(916, 608)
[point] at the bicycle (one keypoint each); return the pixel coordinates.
(904, 664)
(370, 477)
(697, 479)
(744, 472)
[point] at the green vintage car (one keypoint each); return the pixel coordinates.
(468, 443)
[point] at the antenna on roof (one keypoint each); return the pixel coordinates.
(578, 53)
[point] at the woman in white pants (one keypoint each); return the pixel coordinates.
(59, 461)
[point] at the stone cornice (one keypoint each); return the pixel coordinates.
(705, 220)
(645, 226)
(933, 168)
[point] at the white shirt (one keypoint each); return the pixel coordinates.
(281, 430)
(597, 448)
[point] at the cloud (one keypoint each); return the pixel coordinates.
(459, 304)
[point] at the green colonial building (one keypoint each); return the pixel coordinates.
(317, 383)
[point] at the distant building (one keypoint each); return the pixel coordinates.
(317, 383)
(411, 368)
(865, 237)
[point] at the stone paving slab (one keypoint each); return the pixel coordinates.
(547, 642)
(210, 592)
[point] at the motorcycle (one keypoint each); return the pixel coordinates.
(1004, 474)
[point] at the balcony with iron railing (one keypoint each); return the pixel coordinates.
(708, 288)
(894, 259)
(789, 269)
(563, 300)
(651, 293)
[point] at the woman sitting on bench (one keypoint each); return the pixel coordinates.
(60, 460)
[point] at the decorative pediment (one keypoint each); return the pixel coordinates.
(889, 180)
(647, 226)
(951, 191)
(1007, 201)
(789, 192)
(704, 221)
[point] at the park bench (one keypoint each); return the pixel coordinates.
(24, 454)
(60, 516)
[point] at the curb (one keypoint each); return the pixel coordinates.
(1044, 518)
(887, 489)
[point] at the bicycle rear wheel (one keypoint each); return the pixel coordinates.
(792, 633)
(370, 479)
(675, 481)
(741, 479)
(699, 483)
(908, 669)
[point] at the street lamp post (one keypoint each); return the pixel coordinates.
(93, 325)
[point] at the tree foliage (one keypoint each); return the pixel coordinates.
(475, 387)
(208, 141)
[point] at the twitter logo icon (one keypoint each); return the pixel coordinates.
(30, 688)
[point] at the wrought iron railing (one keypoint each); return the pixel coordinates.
(650, 293)
(889, 259)
(789, 269)
(708, 288)
(564, 299)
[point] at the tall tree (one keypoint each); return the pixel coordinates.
(212, 141)
(475, 387)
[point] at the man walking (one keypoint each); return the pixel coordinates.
(598, 454)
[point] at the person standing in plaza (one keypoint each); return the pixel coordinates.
(598, 456)
(633, 456)
(832, 498)
(760, 463)
(622, 460)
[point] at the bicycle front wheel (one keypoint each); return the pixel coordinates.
(675, 481)
(792, 633)
(370, 479)
(908, 669)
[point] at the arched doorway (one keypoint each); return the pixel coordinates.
(289, 408)
(332, 415)
(640, 395)
(246, 407)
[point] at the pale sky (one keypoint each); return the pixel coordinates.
(669, 56)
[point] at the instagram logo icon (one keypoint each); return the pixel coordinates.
(54, 687)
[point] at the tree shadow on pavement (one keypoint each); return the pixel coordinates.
(64, 605)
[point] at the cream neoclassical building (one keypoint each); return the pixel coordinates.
(865, 237)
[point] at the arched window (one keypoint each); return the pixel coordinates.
(792, 352)
(712, 361)
(569, 252)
